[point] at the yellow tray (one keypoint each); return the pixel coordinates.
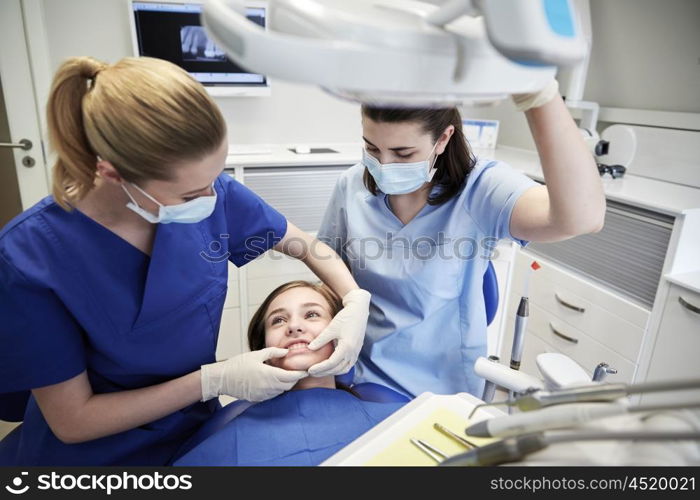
(388, 443)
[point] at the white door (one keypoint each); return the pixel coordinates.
(23, 173)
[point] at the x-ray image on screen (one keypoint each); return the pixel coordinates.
(196, 46)
(172, 31)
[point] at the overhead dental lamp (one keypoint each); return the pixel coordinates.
(401, 51)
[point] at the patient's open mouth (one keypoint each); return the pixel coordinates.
(301, 345)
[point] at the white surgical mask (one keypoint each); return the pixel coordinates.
(189, 212)
(399, 178)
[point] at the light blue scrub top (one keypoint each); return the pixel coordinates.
(427, 323)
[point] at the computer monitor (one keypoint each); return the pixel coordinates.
(172, 30)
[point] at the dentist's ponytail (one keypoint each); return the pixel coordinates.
(143, 115)
(74, 170)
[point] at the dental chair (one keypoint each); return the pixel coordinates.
(367, 391)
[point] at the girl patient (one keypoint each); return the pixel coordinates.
(311, 422)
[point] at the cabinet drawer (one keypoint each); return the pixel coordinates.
(583, 349)
(610, 319)
(576, 284)
(677, 346)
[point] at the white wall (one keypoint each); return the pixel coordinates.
(293, 113)
(645, 56)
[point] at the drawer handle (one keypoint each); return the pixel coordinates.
(559, 334)
(570, 306)
(688, 305)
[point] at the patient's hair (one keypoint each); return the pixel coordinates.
(256, 328)
(143, 115)
(452, 166)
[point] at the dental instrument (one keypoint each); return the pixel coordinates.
(535, 399)
(504, 376)
(513, 449)
(602, 371)
(521, 317)
(429, 450)
(489, 386)
(560, 417)
(403, 51)
(559, 371)
(454, 436)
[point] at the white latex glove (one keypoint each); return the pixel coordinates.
(523, 102)
(246, 376)
(347, 330)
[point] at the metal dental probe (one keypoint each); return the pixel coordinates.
(429, 450)
(452, 435)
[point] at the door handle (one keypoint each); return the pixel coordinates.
(688, 305)
(25, 144)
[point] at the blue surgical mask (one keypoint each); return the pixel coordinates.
(399, 178)
(189, 212)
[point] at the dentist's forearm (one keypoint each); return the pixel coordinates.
(576, 197)
(319, 257)
(328, 266)
(75, 414)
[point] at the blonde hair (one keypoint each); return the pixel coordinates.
(143, 115)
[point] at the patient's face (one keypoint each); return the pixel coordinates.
(293, 319)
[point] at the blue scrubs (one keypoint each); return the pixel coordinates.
(427, 323)
(74, 296)
(296, 428)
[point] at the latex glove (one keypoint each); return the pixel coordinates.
(347, 330)
(523, 102)
(246, 376)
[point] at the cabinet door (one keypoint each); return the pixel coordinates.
(677, 347)
(301, 194)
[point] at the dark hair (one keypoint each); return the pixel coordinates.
(456, 162)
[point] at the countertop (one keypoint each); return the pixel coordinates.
(691, 280)
(665, 197)
(281, 156)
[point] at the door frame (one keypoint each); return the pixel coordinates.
(26, 78)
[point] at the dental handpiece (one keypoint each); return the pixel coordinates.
(546, 418)
(517, 448)
(535, 399)
(557, 417)
(599, 392)
(519, 333)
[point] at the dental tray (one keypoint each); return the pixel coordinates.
(388, 443)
